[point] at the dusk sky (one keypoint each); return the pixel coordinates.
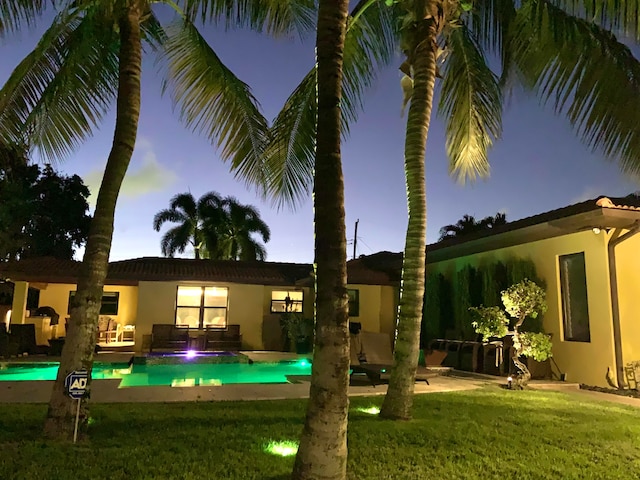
(538, 165)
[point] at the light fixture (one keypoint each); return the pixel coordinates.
(509, 382)
(286, 448)
(596, 230)
(190, 354)
(369, 410)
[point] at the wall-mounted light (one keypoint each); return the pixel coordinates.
(596, 230)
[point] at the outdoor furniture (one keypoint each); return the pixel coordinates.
(169, 337)
(371, 355)
(108, 329)
(228, 339)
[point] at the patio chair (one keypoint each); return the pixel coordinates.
(108, 329)
(228, 339)
(169, 337)
(375, 358)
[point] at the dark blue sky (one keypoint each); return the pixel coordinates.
(538, 165)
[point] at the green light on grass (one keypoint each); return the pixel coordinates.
(370, 410)
(285, 448)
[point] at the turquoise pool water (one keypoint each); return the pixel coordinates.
(180, 375)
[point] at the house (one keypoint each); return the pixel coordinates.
(145, 291)
(588, 256)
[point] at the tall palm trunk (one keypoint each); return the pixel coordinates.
(81, 335)
(422, 57)
(323, 445)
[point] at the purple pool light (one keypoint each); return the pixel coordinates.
(191, 354)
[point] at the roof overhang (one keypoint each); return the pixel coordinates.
(602, 218)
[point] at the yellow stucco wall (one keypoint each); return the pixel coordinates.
(628, 271)
(56, 295)
(582, 362)
(248, 306)
(378, 305)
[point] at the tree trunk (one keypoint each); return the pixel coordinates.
(525, 375)
(323, 445)
(85, 307)
(399, 398)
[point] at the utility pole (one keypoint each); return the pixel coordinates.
(355, 239)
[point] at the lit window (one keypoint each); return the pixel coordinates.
(286, 301)
(354, 302)
(573, 287)
(110, 301)
(200, 307)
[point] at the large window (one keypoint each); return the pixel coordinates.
(354, 302)
(200, 307)
(573, 287)
(110, 301)
(286, 301)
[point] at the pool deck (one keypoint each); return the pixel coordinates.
(107, 391)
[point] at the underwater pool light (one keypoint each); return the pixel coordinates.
(190, 354)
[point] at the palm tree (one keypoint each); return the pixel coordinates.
(468, 224)
(235, 232)
(90, 57)
(192, 218)
(323, 444)
(217, 228)
(563, 51)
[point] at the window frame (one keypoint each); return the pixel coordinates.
(568, 321)
(293, 302)
(356, 299)
(115, 295)
(202, 307)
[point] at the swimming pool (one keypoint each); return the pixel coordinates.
(176, 375)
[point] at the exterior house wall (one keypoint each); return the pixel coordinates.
(628, 273)
(247, 306)
(584, 362)
(378, 306)
(56, 295)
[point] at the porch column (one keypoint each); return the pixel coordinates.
(19, 304)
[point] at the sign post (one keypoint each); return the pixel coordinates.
(76, 385)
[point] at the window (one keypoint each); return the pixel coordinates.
(573, 287)
(110, 301)
(200, 307)
(354, 302)
(286, 301)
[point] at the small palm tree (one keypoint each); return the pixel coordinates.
(191, 217)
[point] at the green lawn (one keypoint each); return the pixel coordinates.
(484, 434)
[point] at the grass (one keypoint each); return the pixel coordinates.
(483, 434)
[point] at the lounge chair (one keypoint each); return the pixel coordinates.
(228, 339)
(371, 355)
(169, 337)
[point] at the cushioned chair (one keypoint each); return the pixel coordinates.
(228, 339)
(169, 337)
(108, 329)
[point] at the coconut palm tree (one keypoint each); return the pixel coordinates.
(565, 52)
(323, 444)
(89, 59)
(468, 224)
(192, 217)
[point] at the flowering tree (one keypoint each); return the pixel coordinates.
(521, 301)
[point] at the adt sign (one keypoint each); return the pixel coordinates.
(76, 383)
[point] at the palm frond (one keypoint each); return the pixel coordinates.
(16, 14)
(168, 215)
(186, 203)
(215, 103)
(620, 16)
(471, 103)
(586, 74)
(272, 16)
(59, 93)
(153, 33)
(369, 44)
(176, 239)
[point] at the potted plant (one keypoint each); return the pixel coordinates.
(299, 331)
